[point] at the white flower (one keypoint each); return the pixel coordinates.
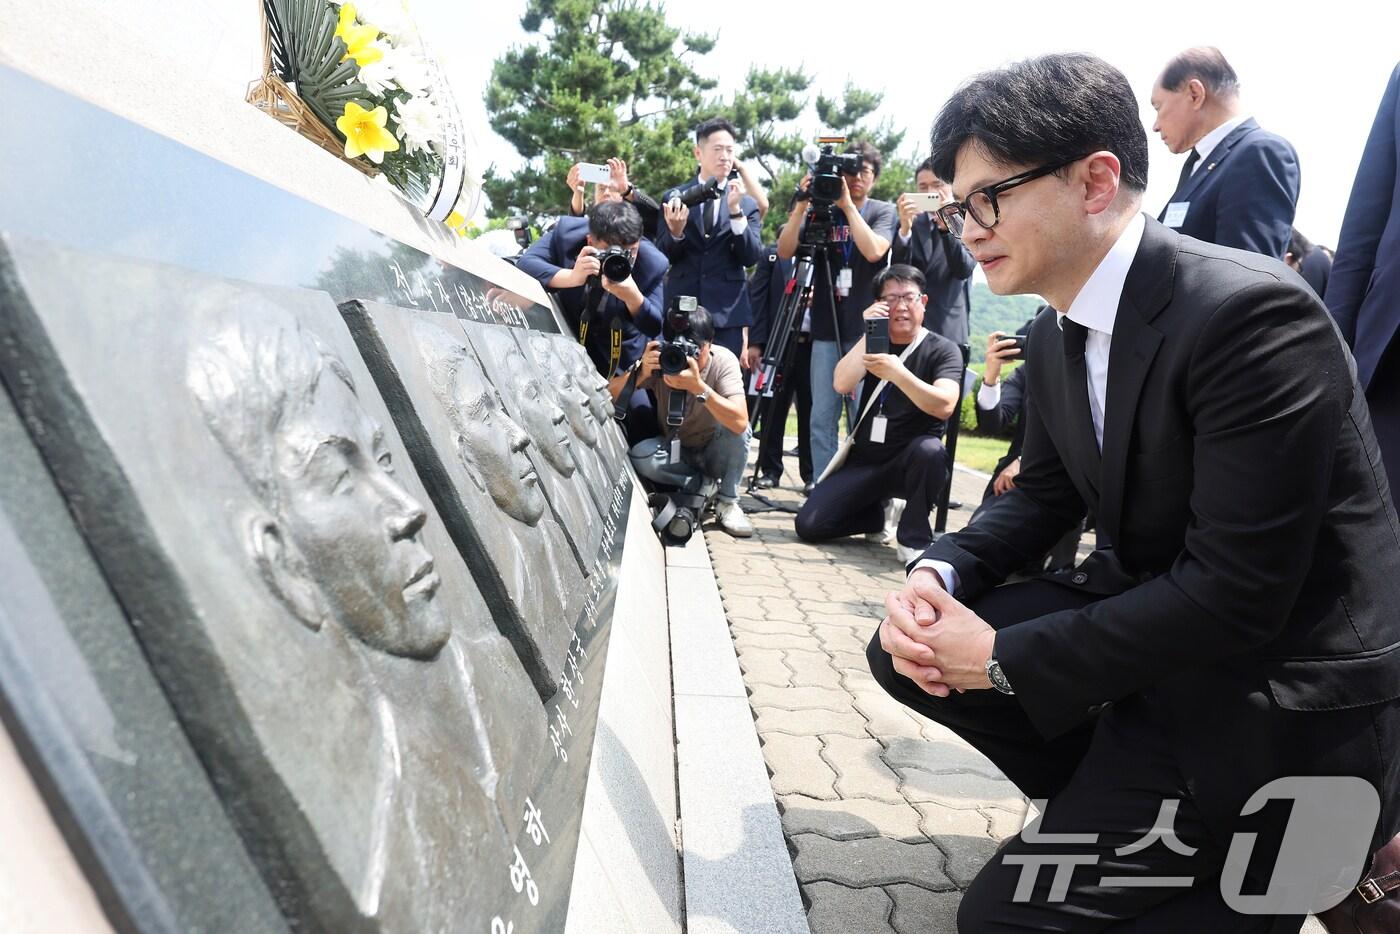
(382, 76)
(410, 70)
(391, 16)
(418, 123)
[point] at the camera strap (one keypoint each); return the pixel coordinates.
(624, 398)
(614, 344)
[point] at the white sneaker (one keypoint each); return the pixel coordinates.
(907, 554)
(732, 519)
(894, 508)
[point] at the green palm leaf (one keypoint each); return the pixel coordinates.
(307, 54)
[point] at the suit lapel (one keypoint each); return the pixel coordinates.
(1146, 291)
(1217, 156)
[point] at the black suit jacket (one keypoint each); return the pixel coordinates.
(766, 286)
(1244, 194)
(1363, 292)
(711, 264)
(557, 250)
(1006, 415)
(947, 265)
(1248, 547)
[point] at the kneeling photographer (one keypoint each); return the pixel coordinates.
(699, 390)
(909, 379)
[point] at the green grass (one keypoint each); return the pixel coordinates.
(981, 453)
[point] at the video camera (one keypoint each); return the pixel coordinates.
(827, 166)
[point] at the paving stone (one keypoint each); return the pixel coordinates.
(837, 909)
(812, 669)
(745, 639)
(854, 607)
(852, 661)
(1004, 823)
(797, 766)
(769, 589)
(860, 770)
(862, 621)
(751, 621)
(764, 695)
(852, 818)
(786, 609)
(963, 837)
(937, 757)
(810, 722)
(839, 639)
(886, 717)
(764, 666)
(919, 911)
(868, 861)
(959, 789)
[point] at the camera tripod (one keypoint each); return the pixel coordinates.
(782, 343)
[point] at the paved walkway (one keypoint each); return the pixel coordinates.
(887, 815)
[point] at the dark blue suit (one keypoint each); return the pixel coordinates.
(557, 250)
(947, 265)
(1363, 292)
(712, 264)
(1243, 194)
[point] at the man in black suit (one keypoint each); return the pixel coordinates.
(712, 245)
(1236, 622)
(924, 242)
(1239, 186)
(1363, 293)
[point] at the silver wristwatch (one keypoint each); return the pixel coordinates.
(997, 676)
(703, 397)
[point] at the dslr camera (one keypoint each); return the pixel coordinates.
(615, 262)
(679, 347)
(700, 194)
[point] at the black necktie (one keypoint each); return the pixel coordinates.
(1079, 414)
(1191, 161)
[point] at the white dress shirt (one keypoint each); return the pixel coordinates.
(1207, 143)
(1095, 307)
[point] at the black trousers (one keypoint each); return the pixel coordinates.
(796, 383)
(1110, 777)
(733, 338)
(1383, 397)
(851, 500)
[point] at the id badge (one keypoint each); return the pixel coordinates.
(877, 429)
(843, 281)
(676, 450)
(1176, 213)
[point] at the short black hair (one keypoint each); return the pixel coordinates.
(714, 125)
(615, 223)
(1043, 110)
(898, 272)
(868, 153)
(1205, 63)
(1299, 245)
(702, 325)
(926, 166)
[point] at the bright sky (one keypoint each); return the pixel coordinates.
(1311, 72)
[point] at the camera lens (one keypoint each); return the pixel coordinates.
(617, 266)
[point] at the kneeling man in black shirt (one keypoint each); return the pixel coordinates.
(897, 450)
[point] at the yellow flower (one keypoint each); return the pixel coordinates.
(457, 224)
(357, 39)
(364, 132)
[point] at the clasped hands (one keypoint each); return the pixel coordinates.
(933, 639)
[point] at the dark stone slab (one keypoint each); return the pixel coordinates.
(473, 459)
(224, 451)
(612, 444)
(97, 733)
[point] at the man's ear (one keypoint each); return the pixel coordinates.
(1196, 91)
(1102, 173)
(469, 464)
(281, 567)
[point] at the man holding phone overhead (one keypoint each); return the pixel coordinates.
(923, 241)
(907, 392)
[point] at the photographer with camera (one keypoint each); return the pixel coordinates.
(608, 282)
(617, 188)
(705, 433)
(710, 233)
(909, 389)
(861, 228)
(925, 243)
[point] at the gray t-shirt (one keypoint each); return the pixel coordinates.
(724, 378)
(883, 219)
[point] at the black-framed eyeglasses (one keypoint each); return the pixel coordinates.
(982, 202)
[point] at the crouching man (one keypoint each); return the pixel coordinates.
(708, 449)
(906, 397)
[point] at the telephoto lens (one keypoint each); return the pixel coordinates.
(616, 262)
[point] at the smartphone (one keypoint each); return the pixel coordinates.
(877, 335)
(594, 174)
(925, 200)
(1020, 340)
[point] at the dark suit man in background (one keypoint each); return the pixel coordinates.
(1236, 622)
(924, 242)
(1363, 293)
(766, 287)
(1239, 186)
(1310, 261)
(620, 315)
(712, 245)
